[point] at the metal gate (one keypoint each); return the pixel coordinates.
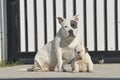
(32, 23)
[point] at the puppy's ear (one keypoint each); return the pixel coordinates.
(76, 18)
(60, 20)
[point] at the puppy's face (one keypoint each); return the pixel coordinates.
(80, 52)
(69, 27)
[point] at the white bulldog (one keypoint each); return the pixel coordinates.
(82, 61)
(52, 54)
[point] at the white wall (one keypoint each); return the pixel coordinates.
(3, 31)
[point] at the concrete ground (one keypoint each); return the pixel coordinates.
(102, 72)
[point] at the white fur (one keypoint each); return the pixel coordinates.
(52, 53)
(83, 64)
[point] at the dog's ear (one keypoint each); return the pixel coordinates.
(76, 18)
(60, 19)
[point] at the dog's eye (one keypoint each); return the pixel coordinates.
(65, 26)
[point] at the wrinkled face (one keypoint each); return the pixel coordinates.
(80, 52)
(69, 27)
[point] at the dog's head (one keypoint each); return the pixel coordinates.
(80, 52)
(69, 27)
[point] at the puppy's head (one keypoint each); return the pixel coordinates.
(69, 27)
(80, 52)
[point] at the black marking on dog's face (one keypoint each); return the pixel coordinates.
(73, 24)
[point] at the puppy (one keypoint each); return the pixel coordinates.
(52, 54)
(82, 61)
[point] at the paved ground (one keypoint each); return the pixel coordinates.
(102, 72)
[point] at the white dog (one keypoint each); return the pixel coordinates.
(82, 61)
(53, 52)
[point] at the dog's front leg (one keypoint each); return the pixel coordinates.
(76, 67)
(90, 67)
(59, 60)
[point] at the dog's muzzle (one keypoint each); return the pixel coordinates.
(78, 56)
(71, 34)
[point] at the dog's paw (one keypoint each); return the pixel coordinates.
(84, 71)
(75, 71)
(91, 71)
(58, 70)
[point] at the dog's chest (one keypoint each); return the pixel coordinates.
(67, 44)
(68, 53)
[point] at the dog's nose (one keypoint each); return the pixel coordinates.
(78, 52)
(70, 31)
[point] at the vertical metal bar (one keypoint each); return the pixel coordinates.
(9, 34)
(116, 24)
(45, 20)
(26, 26)
(18, 24)
(105, 25)
(64, 8)
(54, 16)
(85, 22)
(95, 24)
(35, 25)
(74, 7)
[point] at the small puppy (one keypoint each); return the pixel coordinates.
(82, 61)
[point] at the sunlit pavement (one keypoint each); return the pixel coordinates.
(102, 72)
